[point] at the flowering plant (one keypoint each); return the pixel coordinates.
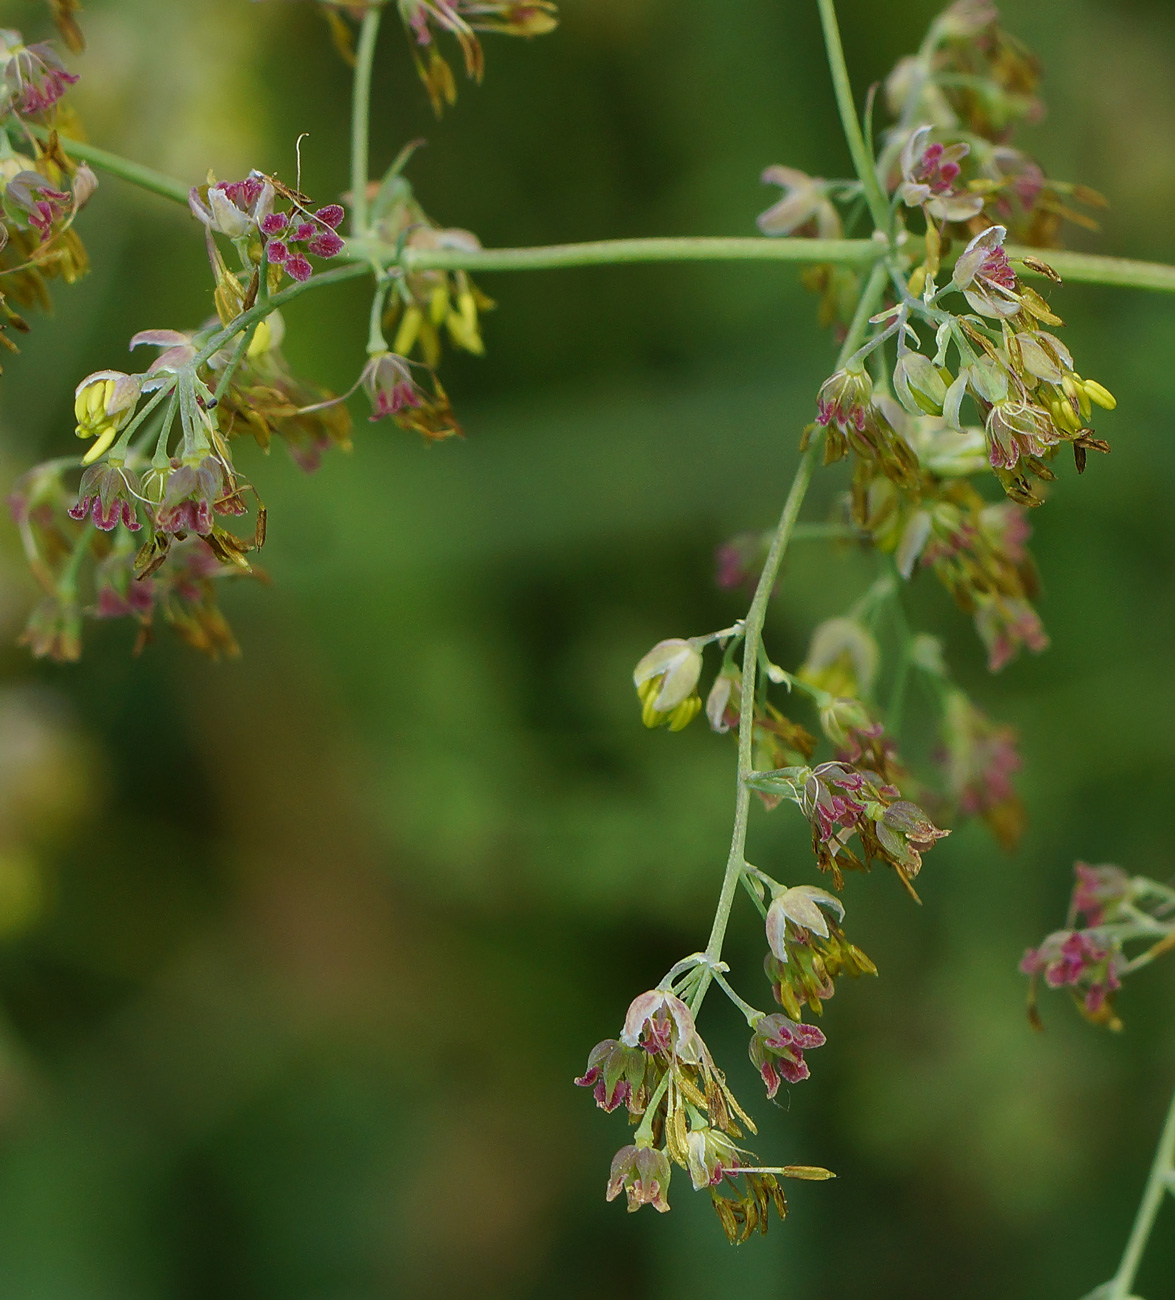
(954, 402)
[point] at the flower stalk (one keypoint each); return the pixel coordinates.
(1081, 268)
(752, 645)
(361, 117)
(1160, 1181)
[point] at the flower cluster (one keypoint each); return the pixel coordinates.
(972, 83)
(808, 950)
(41, 188)
(34, 77)
(662, 1072)
(424, 307)
(979, 757)
(149, 527)
(1109, 912)
(264, 233)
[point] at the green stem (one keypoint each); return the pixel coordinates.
(1088, 268)
(350, 271)
(67, 583)
(146, 178)
(360, 118)
(1160, 1181)
(862, 159)
(234, 361)
(376, 342)
(1084, 268)
(756, 616)
(611, 252)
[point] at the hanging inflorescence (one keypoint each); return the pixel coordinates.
(951, 374)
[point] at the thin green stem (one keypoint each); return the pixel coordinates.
(146, 178)
(611, 252)
(756, 617)
(376, 342)
(862, 158)
(1159, 1181)
(350, 271)
(235, 360)
(1088, 268)
(1084, 268)
(67, 583)
(361, 118)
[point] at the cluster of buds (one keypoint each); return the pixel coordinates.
(1109, 911)
(662, 1072)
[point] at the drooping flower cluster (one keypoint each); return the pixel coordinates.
(662, 1072)
(1109, 911)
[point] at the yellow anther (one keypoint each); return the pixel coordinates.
(438, 304)
(647, 692)
(681, 715)
(1062, 414)
(685, 713)
(409, 329)
(1096, 393)
(917, 282)
(261, 341)
(105, 438)
(90, 408)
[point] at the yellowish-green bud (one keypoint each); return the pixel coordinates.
(666, 682)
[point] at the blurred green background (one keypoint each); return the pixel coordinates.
(302, 951)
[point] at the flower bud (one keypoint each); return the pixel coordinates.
(643, 1174)
(665, 680)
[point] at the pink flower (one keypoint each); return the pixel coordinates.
(777, 1049)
